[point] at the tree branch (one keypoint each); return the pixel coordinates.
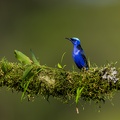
(96, 84)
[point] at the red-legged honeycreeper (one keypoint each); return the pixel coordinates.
(78, 54)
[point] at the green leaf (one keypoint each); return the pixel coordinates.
(22, 57)
(26, 76)
(4, 66)
(35, 61)
(78, 95)
(59, 66)
(63, 56)
(64, 66)
(26, 72)
(25, 88)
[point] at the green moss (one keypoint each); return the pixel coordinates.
(58, 83)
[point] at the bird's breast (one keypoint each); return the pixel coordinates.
(76, 51)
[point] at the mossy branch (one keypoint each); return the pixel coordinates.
(96, 84)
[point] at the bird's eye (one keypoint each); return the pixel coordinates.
(73, 39)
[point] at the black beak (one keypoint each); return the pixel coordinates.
(68, 39)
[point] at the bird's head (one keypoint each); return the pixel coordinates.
(74, 40)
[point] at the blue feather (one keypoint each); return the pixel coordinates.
(78, 54)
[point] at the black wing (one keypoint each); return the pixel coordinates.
(83, 55)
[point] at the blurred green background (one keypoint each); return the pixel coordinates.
(42, 26)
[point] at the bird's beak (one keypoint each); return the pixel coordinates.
(68, 39)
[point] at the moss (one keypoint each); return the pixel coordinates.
(61, 84)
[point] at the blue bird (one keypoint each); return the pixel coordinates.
(78, 54)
